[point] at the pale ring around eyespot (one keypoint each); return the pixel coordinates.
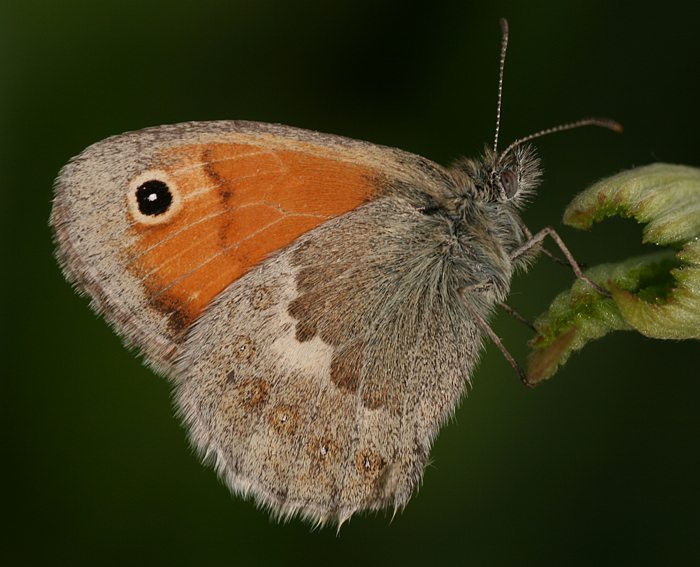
(155, 175)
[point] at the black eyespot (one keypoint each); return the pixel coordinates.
(509, 182)
(153, 197)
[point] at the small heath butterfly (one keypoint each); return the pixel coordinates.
(318, 302)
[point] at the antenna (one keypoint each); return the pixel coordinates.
(504, 48)
(602, 122)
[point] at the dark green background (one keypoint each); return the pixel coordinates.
(597, 466)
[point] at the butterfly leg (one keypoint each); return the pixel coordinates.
(489, 332)
(517, 316)
(544, 251)
(536, 240)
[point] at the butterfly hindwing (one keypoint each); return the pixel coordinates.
(317, 381)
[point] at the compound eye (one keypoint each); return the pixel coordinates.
(153, 198)
(509, 182)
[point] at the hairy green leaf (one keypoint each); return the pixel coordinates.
(657, 295)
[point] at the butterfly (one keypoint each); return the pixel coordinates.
(319, 303)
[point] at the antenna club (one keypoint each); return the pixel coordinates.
(608, 123)
(601, 122)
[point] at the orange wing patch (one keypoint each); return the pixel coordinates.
(241, 202)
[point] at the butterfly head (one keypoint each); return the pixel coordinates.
(510, 175)
(512, 178)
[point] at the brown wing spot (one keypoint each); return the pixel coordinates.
(240, 203)
(283, 419)
(315, 312)
(253, 393)
(315, 315)
(243, 348)
(221, 184)
(369, 464)
(179, 316)
(323, 450)
(305, 326)
(345, 368)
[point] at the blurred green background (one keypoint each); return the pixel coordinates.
(597, 466)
